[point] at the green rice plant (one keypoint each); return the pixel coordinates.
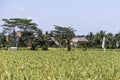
(59, 64)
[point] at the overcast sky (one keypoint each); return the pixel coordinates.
(83, 15)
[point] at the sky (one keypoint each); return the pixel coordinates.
(83, 15)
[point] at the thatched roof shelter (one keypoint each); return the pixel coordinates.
(76, 40)
(79, 39)
(54, 42)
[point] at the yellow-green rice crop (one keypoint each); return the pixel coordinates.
(58, 64)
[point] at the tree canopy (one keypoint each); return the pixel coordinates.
(33, 36)
(63, 32)
(26, 27)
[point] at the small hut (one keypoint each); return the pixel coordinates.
(76, 40)
(52, 42)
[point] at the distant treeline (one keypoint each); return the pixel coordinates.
(25, 33)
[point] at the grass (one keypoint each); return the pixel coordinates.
(59, 64)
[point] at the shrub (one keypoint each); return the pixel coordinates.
(44, 47)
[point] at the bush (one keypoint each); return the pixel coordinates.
(44, 47)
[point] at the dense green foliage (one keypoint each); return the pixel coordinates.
(32, 36)
(63, 35)
(63, 32)
(21, 33)
(58, 64)
(95, 40)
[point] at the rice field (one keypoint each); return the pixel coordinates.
(59, 64)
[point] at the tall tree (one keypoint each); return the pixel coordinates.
(98, 38)
(110, 41)
(90, 38)
(23, 25)
(63, 34)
